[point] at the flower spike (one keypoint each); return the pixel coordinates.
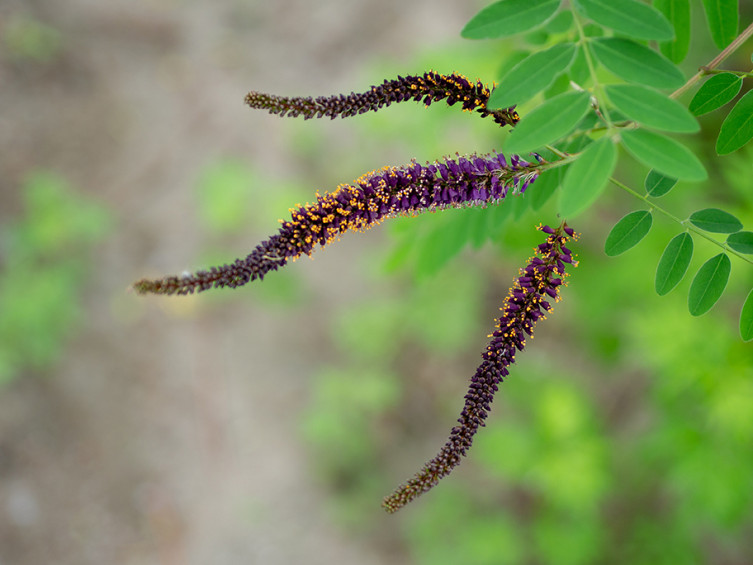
(429, 87)
(526, 303)
(391, 191)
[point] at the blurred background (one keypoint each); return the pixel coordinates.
(265, 424)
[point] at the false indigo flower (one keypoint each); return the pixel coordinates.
(430, 87)
(525, 305)
(391, 191)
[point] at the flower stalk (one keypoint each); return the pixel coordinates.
(527, 302)
(374, 197)
(429, 87)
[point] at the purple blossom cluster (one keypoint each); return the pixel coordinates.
(527, 302)
(375, 196)
(427, 88)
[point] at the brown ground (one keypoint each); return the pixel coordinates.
(167, 433)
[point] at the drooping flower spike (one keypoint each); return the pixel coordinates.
(429, 87)
(527, 302)
(391, 191)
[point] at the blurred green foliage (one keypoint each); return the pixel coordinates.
(44, 269)
(28, 39)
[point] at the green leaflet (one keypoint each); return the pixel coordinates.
(721, 16)
(663, 154)
(715, 92)
(628, 17)
(509, 17)
(560, 23)
(678, 14)
(715, 220)
(746, 318)
(628, 232)
(657, 184)
(674, 263)
(548, 122)
(737, 128)
(542, 189)
(531, 76)
(651, 108)
(587, 176)
(634, 62)
(741, 241)
(709, 284)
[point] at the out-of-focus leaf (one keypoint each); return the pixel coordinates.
(721, 16)
(657, 184)
(543, 187)
(628, 17)
(663, 154)
(674, 263)
(741, 241)
(715, 220)
(678, 14)
(746, 318)
(587, 177)
(708, 284)
(737, 128)
(628, 232)
(509, 17)
(579, 71)
(715, 92)
(651, 108)
(560, 23)
(532, 75)
(548, 122)
(634, 62)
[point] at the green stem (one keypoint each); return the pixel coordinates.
(684, 223)
(598, 89)
(731, 48)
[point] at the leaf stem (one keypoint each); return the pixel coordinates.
(684, 223)
(583, 41)
(726, 52)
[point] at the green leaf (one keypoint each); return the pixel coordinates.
(651, 108)
(509, 17)
(715, 220)
(532, 75)
(715, 92)
(550, 121)
(627, 17)
(721, 16)
(678, 14)
(587, 177)
(634, 62)
(560, 23)
(663, 154)
(708, 284)
(674, 263)
(742, 242)
(543, 187)
(578, 70)
(737, 128)
(746, 318)
(628, 232)
(657, 184)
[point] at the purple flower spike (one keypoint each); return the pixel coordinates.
(525, 305)
(427, 88)
(374, 197)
